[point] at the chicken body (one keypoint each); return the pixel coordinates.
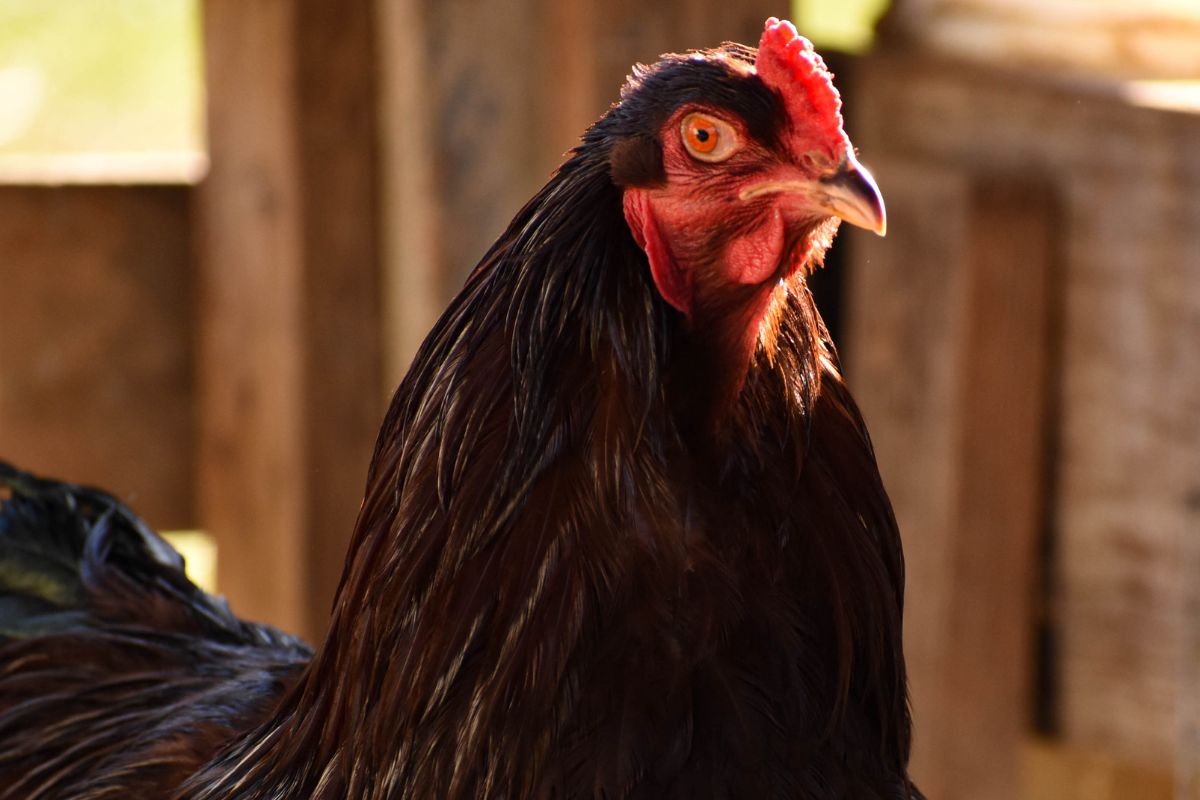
(623, 534)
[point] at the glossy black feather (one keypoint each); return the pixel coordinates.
(118, 676)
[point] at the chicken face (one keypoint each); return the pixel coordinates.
(753, 175)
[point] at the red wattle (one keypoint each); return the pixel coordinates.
(754, 257)
(673, 282)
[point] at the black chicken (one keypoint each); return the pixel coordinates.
(623, 533)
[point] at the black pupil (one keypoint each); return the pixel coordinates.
(702, 135)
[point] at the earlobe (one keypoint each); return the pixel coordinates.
(673, 282)
(636, 161)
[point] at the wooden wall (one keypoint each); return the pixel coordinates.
(96, 340)
(1023, 344)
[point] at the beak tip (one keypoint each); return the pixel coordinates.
(854, 196)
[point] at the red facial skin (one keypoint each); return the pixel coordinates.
(674, 223)
(716, 257)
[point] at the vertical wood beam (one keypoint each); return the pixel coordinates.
(411, 252)
(252, 472)
(1005, 400)
(288, 325)
(337, 105)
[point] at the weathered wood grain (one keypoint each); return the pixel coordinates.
(1154, 39)
(1126, 433)
(253, 474)
(343, 345)
(1006, 400)
(1055, 772)
(95, 341)
(289, 343)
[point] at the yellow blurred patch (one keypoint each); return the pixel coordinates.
(845, 25)
(199, 551)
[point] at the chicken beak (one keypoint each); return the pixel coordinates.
(851, 193)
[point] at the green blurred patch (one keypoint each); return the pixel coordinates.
(100, 76)
(845, 25)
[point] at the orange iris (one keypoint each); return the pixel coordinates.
(708, 137)
(701, 134)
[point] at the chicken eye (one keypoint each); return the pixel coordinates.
(708, 138)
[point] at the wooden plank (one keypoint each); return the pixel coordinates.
(95, 335)
(1053, 772)
(413, 262)
(290, 329)
(1000, 505)
(1113, 37)
(1131, 456)
(252, 472)
(337, 126)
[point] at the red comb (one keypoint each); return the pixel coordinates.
(788, 64)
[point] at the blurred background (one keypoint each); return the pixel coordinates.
(225, 226)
